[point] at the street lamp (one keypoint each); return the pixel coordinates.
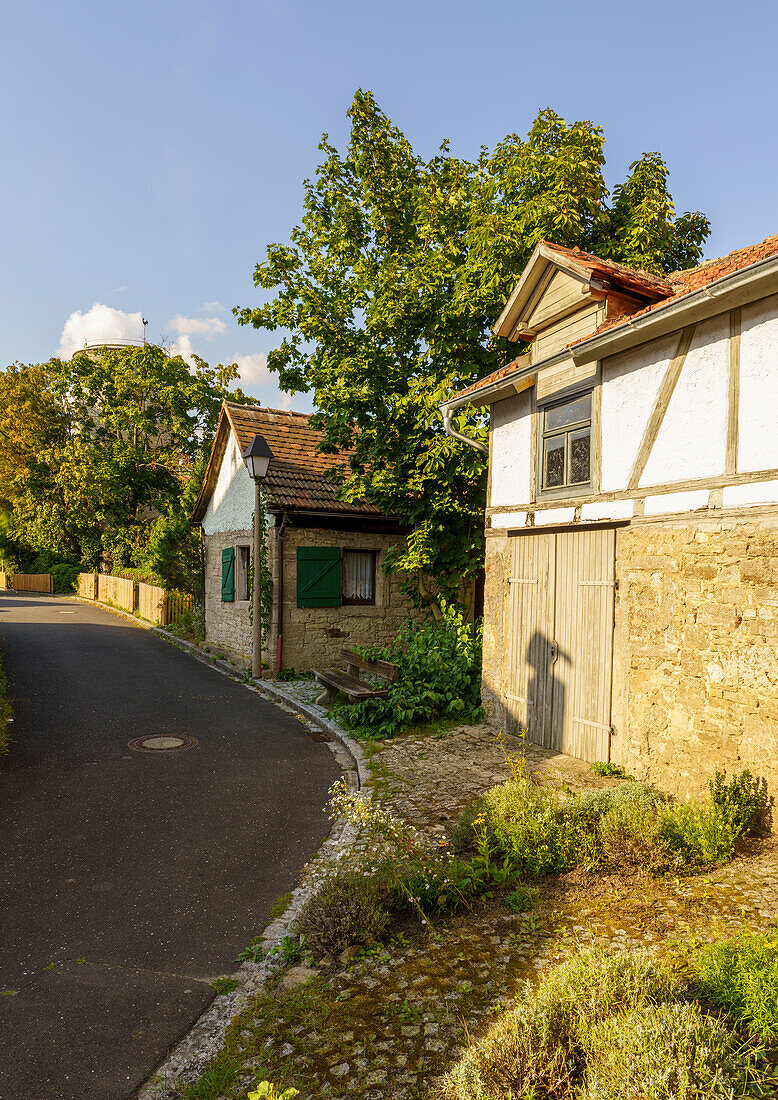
(257, 457)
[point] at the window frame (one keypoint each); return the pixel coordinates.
(356, 601)
(573, 489)
(242, 579)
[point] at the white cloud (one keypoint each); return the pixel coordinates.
(253, 368)
(196, 326)
(213, 307)
(99, 325)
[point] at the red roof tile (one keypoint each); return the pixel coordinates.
(300, 477)
(675, 286)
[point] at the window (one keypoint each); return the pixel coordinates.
(359, 576)
(244, 573)
(565, 444)
(228, 574)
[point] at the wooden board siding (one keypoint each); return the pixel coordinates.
(561, 640)
(574, 327)
(531, 596)
(562, 295)
(582, 670)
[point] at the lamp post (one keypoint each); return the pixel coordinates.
(257, 457)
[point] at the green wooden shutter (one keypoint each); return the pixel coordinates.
(318, 576)
(228, 574)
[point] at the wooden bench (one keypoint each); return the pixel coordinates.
(334, 680)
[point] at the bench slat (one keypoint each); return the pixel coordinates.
(349, 685)
(385, 669)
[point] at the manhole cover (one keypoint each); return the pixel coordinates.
(161, 744)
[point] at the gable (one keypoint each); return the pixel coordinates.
(231, 504)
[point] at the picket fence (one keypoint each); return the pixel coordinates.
(150, 602)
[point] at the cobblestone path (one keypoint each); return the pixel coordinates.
(385, 1026)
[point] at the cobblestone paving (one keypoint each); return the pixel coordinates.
(386, 1025)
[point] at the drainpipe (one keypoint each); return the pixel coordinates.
(447, 410)
(280, 596)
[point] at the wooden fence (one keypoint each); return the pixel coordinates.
(155, 604)
(87, 586)
(119, 591)
(5, 581)
(32, 582)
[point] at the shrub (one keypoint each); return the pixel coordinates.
(612, 771)
(699, 834)
(742, 801)
(665, 1052)
(741, 976)
(522, 900)
(349, 908)
(439, 677)
(64, 577)
(629, 830)
(537, 1049)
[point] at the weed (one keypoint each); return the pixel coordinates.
(290, 950)
(266, 1091)
(255, 952)
(610, 771)
(743, 801)
(349, 908)
(222, 986)
(522, 899)
(741, 976)
(279, 906)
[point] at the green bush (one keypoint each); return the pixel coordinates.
(538, 1048)
(742, 801)
(440, 677)
(349, 908)
(665, 1052)
(699, 834)
(64, 577)
(741, 976)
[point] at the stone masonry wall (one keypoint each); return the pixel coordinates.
(494, 682)
(228, 625)
(696, 653)
(313, 636)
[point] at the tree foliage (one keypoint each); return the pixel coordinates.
(101, 457)
(386, 293)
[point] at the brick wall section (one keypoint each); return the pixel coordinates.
(696, 675)
(312, 636)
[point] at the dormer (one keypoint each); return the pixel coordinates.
(565, 294)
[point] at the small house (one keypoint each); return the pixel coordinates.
(325, 555)
(631, 596)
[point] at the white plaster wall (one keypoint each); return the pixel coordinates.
(758, 434)
(554, 515)
(511, 450)
(758, 492)
(610, 509)
(692, 440)
(509, 519)
(670, 503)
(630, 384)
(231, 507)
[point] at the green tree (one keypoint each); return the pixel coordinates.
(105, 470)
(388, 289)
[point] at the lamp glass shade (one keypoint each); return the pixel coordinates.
(257, 457)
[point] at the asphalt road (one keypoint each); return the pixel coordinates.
(129, 880)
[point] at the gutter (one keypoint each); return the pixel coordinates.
(447, 410)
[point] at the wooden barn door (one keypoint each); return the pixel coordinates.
(532, 583)
(561, 640)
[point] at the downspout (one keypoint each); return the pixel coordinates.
(447, 410)
(280, 596)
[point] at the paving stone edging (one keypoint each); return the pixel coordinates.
(205, 1039)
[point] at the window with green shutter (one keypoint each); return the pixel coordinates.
(318, 576)
(228, 574)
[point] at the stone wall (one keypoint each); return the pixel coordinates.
(312, 636)
(497, 569)
(227, 625)
(696, 668)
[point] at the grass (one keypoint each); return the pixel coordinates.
(223, 986)
(741, 976)
(6, 713)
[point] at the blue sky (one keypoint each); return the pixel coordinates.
(152, 150)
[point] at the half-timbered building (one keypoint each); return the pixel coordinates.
(631, 604)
